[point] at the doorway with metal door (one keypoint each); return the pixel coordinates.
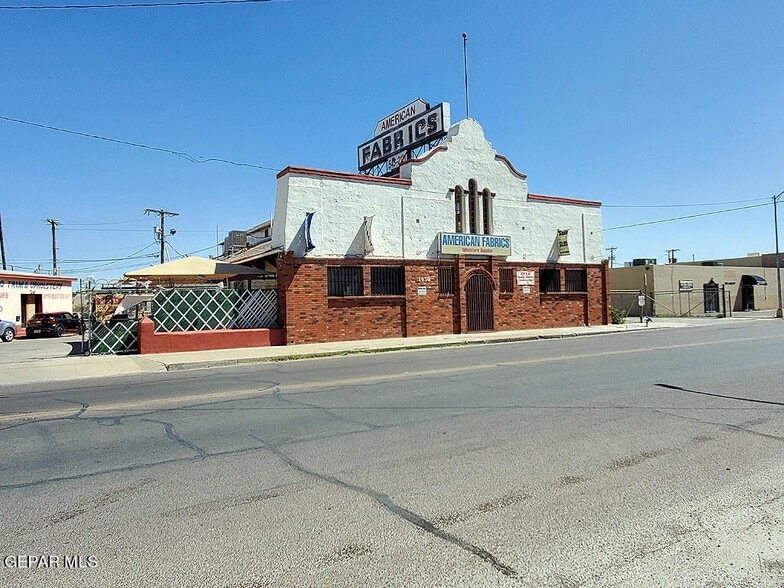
(747, 283)
(479, 302)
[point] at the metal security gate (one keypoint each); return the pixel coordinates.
(479, 302)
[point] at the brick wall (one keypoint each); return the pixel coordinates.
(308, 315)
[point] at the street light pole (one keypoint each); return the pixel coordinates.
(779, 312)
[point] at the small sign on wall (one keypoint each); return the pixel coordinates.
(525, 278)
(422, 290)
(563, 242)
(526, 289)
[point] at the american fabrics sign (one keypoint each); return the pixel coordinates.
(414, 131)
(464, 244)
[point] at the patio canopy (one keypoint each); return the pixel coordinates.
(190, 270)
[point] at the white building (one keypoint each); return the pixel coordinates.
(22, 295)
(454, 242)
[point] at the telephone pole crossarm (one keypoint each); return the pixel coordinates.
(163, 214)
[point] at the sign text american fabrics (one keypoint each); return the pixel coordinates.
(398, 117)
(465, 244)
(413, 133)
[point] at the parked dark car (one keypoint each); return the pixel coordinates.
(53, 323)
(7, 331)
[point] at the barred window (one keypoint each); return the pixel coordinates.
(387, 281)
(549, 280)
(459, 205)
(446, 280)
(344, 281)
(575, 280)
(507, 280)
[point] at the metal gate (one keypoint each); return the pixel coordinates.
(479, 302)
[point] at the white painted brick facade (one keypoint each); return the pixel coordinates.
(407, 219)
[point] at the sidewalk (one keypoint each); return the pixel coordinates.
(97, 366)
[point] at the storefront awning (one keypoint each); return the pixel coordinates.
(753, 280)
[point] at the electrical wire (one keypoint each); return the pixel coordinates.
(182, 154)
(198, 160)
(688, 216)
(178, 3)
(109, 222)
(112, 263)
(684, 205)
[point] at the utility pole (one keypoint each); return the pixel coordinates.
(779, 312)
(671, 255)
(163, 214)
(54, 222)
(611, 257)
(2, 242)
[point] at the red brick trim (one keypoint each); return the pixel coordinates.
(511, 167)
(335, 175)
(15, 276)
(562, 200)
(427, 155)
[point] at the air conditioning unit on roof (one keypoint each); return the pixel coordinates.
(238, 239)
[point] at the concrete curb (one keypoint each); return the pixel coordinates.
(184, 366)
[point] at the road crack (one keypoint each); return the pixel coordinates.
(390, 505)
(169, 430)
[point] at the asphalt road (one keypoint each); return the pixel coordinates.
(651, 458)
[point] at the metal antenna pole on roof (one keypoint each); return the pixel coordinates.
(465, 69)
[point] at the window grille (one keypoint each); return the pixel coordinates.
(549, 280)
(344, 281)
(446, 283)
(507, 280)
(473, 226)
(576, 280)
(459, 204)
(487, 211)
(387, 281)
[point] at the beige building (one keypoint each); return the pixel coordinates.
(713, 287)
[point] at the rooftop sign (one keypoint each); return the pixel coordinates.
(415, 130)
(398, 117)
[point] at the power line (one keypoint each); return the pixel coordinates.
(108, 222)
(182, 154)
(198, 160)
(683, 205)
(115, 263)
(133, 5)
(688, 216)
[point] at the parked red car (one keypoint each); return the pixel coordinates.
(53, 323)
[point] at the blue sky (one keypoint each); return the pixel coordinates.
(658, 109)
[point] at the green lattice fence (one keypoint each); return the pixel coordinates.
(115, 338)
(195, 309)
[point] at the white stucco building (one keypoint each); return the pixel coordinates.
(453, 242)
(22, 295)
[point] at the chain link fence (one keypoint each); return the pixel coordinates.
(702, 302)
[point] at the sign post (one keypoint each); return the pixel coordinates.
(641, 304)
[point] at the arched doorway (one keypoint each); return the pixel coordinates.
(479, 302)
(710, 292)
